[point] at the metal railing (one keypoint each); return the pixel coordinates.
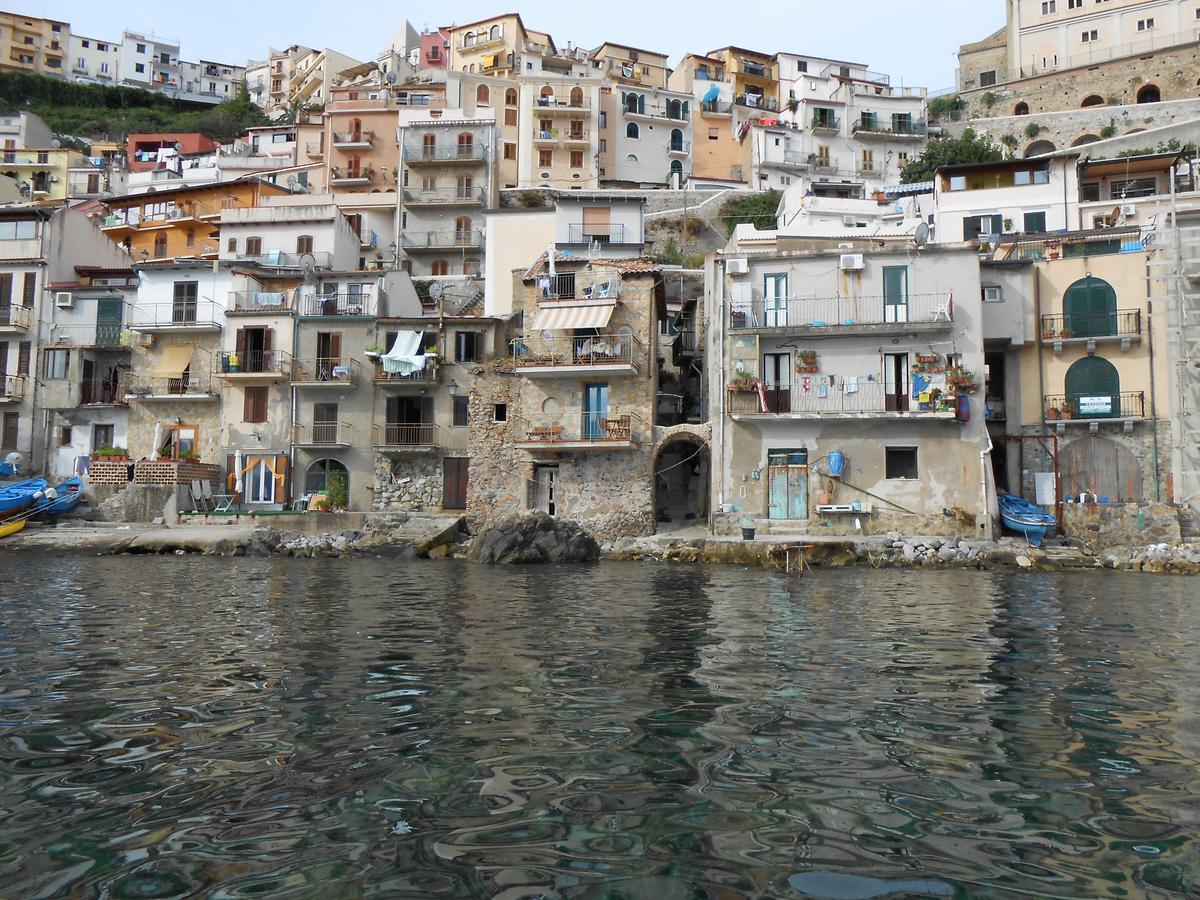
(679, 147)
(757, 101)
(336, 175)
(606, 349)
(352, 137)
(426, 375)
(568, 287)
(103, 391)
(581, 233)
(448, 197)
(404, 434)
(16, 316)
(867, 397)
(12, 387)
(441, 240)
(280, 259)
(259, 362)
(620, 429)
(260, 301)
(1125, 405)
(898, 127)
(840, 312)
(322, 434)
(314, 305)
(137, 216)
(1113, 324)
(716, 107)
(189, 385)
(314, 148)
(757, 71)
(826, 123)
(325, 370)
(553, 103)
(446, 153)
(91, 335)
(179, 314)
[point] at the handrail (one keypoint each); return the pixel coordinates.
(1123, 405)
(325, 370)
(404, 434)
(840, 312)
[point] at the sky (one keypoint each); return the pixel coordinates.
(914, 42)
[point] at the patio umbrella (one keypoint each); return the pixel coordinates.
(237, 467)
(158, 439)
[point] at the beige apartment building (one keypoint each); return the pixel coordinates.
(32, 44)
(716, 151)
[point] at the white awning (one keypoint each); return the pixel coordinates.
(565, 317)
(174, 359)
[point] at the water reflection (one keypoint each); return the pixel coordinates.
(248, 726)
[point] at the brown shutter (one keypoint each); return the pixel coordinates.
(596, 219)
(240, 345)
(6, 281)
(263, 394)
(23, 351)
(267, 333)
(29, 288)
(230, 475)
(248, 405)
(335, 346)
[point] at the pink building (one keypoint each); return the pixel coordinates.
(435, 48)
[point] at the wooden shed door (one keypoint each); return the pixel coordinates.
(454, 482)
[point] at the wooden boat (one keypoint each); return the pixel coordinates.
(7, 528)
(70, 492)
(19, 495)
(1026, 519)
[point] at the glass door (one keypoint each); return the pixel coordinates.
(595, 411)
(775, 312)
(895, 382)
(895, 293)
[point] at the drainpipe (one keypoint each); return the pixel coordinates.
(1041, 346)
(1153, 393)
(718, 454)
(984, 459)
(294, 400)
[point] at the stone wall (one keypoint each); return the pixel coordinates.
(1109, 526)
(410, 483)
(135, 502)
(1140, 442)
(499, 474)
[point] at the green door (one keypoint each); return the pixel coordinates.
(895, 293)
(109, 318)
(1090, 308)
(1094, 389)
(787, 484)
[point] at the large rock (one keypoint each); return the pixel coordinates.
(533, 538)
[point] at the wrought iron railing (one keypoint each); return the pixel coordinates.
(15, 316)
(260, 301)
(176, 314)
(426, 375)
(259, 362)
(848, 396)
(1115, 323)
(446, 153)
(607, 349)
(404, 434)
(582, 233)
(841, 312)
(1098, 405)
(593, 428)
(325, 370)
(322, 433)
(337, 305)
(12, 387)
(189, 385)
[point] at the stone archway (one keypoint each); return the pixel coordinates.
(1085, 139)
(1038, 148)
(682, 476)
(1100, 465)
(1149, 93)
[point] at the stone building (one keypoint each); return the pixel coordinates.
(566, 423)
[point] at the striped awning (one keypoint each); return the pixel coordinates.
(565, 317)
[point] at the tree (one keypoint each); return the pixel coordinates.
(969, 148)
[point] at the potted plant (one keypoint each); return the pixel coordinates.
(191, 456)
(1065, 333)
(1065, 411)
(431, 350)
(110, 453)
(1052, 412)
(747, 528)
(743, 381)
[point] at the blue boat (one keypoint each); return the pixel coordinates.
(1026, 519)
(7, 470)
(20, 495)
(70, 492)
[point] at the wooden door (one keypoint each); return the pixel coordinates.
(454, 482)
(110, 312)
(1101, 466)
(787, 484)
(895, 382)
(777, 381)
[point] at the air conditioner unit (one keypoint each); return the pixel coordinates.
(1128, 209)
(848, 221)
(845, 247)
(64, 299)
(737, 266)
(851, 262)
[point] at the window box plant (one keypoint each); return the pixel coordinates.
(109, 453)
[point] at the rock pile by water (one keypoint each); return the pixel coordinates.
(533, 538)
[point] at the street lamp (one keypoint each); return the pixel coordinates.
(452, 387)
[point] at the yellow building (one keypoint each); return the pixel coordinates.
(492, 46)
(40, 175)
(716, 151)
(754, 77)
(31, 44)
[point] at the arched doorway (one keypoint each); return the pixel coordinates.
(1092, 100)
(681, 482)
(324, 474)
(1149, 93)
(1085, 139)
(1090, 308)
(1038, 148)
(1093, 388)
(1021, 109)
(1101, 466)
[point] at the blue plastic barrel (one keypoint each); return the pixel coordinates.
(837, 463)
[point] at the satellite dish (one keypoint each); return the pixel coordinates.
(392, 77)
(436, 290)
(56, 143)
(921, 235)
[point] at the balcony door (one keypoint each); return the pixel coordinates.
(777, 381)
(895, 382)
(325, 423)
(597, 223)
(1094, 388)
(595, 411)
(109, 318)
(329, 353)
(895, 293)
(775, 305)
(1090, 308)
(253, 349)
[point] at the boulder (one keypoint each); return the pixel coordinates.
(533, 538)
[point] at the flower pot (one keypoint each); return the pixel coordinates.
(747, 534)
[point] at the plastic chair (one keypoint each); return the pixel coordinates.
(198, 502)
(217, 502)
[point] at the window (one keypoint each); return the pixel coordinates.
(500, 412)
(254, 407)
(231, 246)
(868, 160)
(440, 267)
(987, 79)
(482, 94)
(56, 363)
(1145, 25)
(141, 48)
(900, 462)
(1023, 177)
(183, 307)
(102, 436)
(304, 243)
(462, 412)
(85, 43)
(510, 150)
(545, 158)
(28, 288)
(1090, 37)
(632, 131)
(254, 246)
(990, 293)
(576, 159)
(17, 231)
(1035, 223)
(139, 68)
(468, 346)
(714, 134)
(24, 351)
(974, 226)
(902, 159)
(190, 238)
(1074, 4)
(510, 117)
(1049, 7)
(510, 97)
(1089, 191)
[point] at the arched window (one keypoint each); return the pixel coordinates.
(1149, 93)
(1093, 388)
(1085, 139)
(494, 33)
(1021, 109)
(631, 158)
(577, 96)
(466, 145)
(317, 477)
(676, 167)
(440, 267)
(634, 103)
(632, 131)
(510, 97)
(1090, 308)
(482, 94)
(677, 139)
(1038, 148)
(1092, 100)
(547, 91)
(470, 266)
(160, 245)
(462, 229)
(469, 39)
(674, 109)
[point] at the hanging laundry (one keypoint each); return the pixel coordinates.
(823, 388)
(850, 384)
(919, 383)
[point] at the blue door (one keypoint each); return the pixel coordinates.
(595, 411)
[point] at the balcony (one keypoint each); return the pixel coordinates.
(454, 153)
(589, 432)
(277, 259)
(600, 354)
(112, 337)
(896, 129)
(1063, 411)
(263, 303)
(136, 218)
(581, 233)
(716, 108)
(16, 318)
(258, 367)
(323, 434)
(186, 388)
(314, 149)
(404, 437)
(754, 70)
(567, 287)
(829, 125)
(12, 388)
(420, 378)
(352, 140)
(871, 400)
(679, 148)
(181, 315)
(323, 305)
(843, 315)
(555, 136)
(324, 371)
(756, 101)
(552, 106)
(1124, 325)
(445, 197)
(352, 177)
(440, 241)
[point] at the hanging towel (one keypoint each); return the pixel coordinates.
(405, 357)
(920, 384)
(850, 384)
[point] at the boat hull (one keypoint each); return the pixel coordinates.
(20, 495)
(1025, 519)
(7, 528)
(70, 492)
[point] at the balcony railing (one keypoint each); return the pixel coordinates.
(826, 123)
(325, 370)
(198, 385)
(278, 259)
(1126, 405)
(757, 71)
(596, 351)
(351, 176)
(19, 317)
(757, 101)
(868, 398)
(180, 315)
(404, 434)
(314, 148)
(567, 287)
(716, 108)
(447, 153)
(442, 240)
(260, 301)
(258, 362)
(599, 234)
(679, 147)
(322, 434)
(445, 197)
(92, 335)
(619, 430)
(841, 312)
(12, 387)
(1124, 323)
(337, 305)
(542, 103)
(427, 375)
(892, 128)
(101, 392)
(352, 138)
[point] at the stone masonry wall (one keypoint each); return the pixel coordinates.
(409, 483)
(1109, 526)
(1140, 442)
(499, 474)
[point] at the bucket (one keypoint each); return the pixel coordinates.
(837, 463)
(747, 534)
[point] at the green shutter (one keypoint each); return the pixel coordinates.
(1093, 378)
(1090, 308)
